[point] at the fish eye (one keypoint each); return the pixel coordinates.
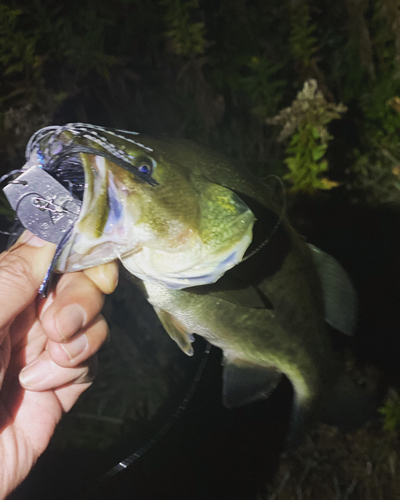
(145, 165)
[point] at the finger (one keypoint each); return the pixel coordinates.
(22, 269)
(104, 276)
(27, 340)
(5, 352)
(44, 374)
(73, 305)
(68, 394)
(81, 346)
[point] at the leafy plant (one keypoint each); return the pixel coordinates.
(225, 68)
(262, 86)
(391, 412)
(186, 36)
(21, 63)
(302, 40)
(45, 52)
(375, 177)
(306, 122)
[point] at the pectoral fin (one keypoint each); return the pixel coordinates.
(340, 298)
(244, 383)
(176, 331)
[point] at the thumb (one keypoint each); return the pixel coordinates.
(22, 269)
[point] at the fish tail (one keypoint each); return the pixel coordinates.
(298, 424)
(303, 410)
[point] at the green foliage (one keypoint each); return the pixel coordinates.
(262, 86)
(302, 39)
(22, 65)
(375, 172)
(375, 177)
(212, 72)
(305, 163)
(186, 37)
(391, 412)
(82, 49)
(306, 122)
(33, 40)
(39, 44)
(366, 67)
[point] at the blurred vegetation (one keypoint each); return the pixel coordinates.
(186, 37)
(306, 122)
(217, 72)
(391, 412)
(334, 465)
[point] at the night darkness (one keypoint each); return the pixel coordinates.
(217, 72)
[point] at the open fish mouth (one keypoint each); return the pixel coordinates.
(70, 173)
(105, 229)
(76, 155)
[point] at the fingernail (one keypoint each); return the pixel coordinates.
(108, 273)
(104, 276)
(30, 239)
(35, 373)
(113, 276)
(69, 320)
(76, 347)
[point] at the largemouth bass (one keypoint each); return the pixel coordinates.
(213, 253)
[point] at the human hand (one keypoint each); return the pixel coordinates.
(53, 341)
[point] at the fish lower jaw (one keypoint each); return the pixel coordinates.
(84, 243)
(85, 250)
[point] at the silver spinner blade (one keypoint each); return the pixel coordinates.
(43, 205)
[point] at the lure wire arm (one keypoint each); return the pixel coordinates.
(277, 224)
(4, 177)
(46, 284)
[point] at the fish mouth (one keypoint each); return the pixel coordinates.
(105, 227)
(76, 155)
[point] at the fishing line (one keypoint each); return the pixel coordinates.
(278, 222)
(6, 233)
(9, 174)
(170, 422)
